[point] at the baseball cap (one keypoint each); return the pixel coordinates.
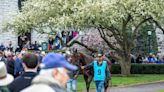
(99, 54)
(56, 60)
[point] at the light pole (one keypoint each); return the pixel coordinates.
(149, 34)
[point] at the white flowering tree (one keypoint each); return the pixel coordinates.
(117, 21)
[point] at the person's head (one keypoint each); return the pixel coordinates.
(43, 54)
(139, 55)
(100, 57)
(30, 61)
(151, 54)
(5, 79)
(64, 33)
(1, 54)
(35, 42)
(25, 49)
(60, 66)
(10, 56)
(61, 75)
(68, 55)
(21, 54)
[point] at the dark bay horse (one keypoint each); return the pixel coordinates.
(82, 59)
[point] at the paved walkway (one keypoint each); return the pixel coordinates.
(154, 87)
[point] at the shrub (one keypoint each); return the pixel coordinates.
(140, 69)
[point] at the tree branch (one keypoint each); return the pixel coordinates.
(143, 21)
(108, 43)
(158, 25)
(110, 35)
(83, 45)
(115, 32)
(117, 36)
(137, 27)
(125, 22)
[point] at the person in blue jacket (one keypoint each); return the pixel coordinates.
(18, 67)
(152, 59)
(101, 72)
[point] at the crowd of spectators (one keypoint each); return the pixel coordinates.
(47, 70)
(58, 40)
(151, 59)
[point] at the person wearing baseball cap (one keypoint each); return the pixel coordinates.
(101, 71)
(53, 75)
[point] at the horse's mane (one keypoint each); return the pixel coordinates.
(85, 55)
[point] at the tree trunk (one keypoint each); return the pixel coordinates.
(125, 64)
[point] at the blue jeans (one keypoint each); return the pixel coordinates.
(99, 85)
(71, 85)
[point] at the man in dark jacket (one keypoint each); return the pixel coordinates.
(139, 59)
(2, 47)
(2, 58)
(53, 75)
(18, 67)
(10, 64)
(30, 64)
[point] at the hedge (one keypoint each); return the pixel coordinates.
(140, 69)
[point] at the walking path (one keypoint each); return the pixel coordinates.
(153, 87)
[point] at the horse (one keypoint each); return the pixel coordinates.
(82, 59)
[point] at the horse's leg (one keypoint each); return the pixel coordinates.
(87, 86)
(86, 81)
(106, 84)
(89, 81)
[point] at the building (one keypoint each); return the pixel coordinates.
(8, 9)
(160, 41)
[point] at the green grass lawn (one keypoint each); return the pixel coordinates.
(161, 91)
(123, 81)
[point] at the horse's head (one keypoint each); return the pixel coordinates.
(77, 58)
(81, 58)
